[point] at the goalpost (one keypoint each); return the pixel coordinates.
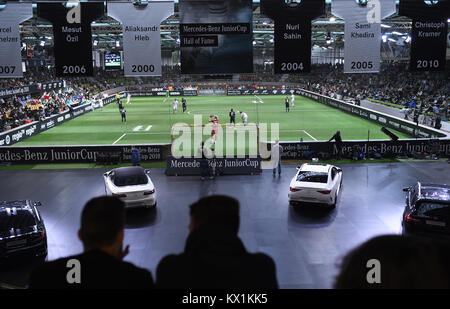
(230, 140)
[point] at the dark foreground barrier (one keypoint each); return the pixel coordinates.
(81, 154)
(220, 166)
(383, 148)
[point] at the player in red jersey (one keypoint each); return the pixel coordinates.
(214, 119)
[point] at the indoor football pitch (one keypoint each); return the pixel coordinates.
(151, 120)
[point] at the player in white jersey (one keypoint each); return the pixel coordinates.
(175, 106)
(244, 117)
(292, 100)
(128, 98)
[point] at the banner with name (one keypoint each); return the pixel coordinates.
(216, 36)
(72, 35)
(141, 35)
(428, 34)
(292, 31)
(362, 32)
(10, 56)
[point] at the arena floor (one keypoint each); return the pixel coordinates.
(306, 243)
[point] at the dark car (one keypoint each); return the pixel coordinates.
(22, 230)
(427, 211)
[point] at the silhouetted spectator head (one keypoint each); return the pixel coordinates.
(215, 211)
(102, 223)
(404, 262)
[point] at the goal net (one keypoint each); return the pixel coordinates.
(230, 140)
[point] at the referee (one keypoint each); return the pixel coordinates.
(184, 104)
(286, 101)
(123, 112)
(232, 117)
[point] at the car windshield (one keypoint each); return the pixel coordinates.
(434, 210)
(20, 220)
(130, 180)
(310, 176)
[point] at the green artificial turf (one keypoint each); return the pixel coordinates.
(308, 120)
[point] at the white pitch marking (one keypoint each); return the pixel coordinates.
(137, 128)
(148, 128)
(309, 135)
(259, 99)
(119, 138)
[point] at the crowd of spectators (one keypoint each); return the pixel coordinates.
(262, 73)
(215, 257)
(394, 85)
(17, 111)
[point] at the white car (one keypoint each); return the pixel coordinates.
(316, 183)
(132, 185)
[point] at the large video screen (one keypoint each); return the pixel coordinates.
(112, 60)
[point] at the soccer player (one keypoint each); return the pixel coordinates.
(123, 112)
(244, 118)
(286, 102)
(175, 106)
(184, 104)
(214, 119)
(232, 117)
(120, 105)
(128, 98)
(292, 100)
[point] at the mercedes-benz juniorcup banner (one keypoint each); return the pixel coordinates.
(72, 35)
(141, 35)
(292, 31)
(81, 154)
(362, 32)
(428, 34)
(219, 166)
(10, 57)
(216, 37)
